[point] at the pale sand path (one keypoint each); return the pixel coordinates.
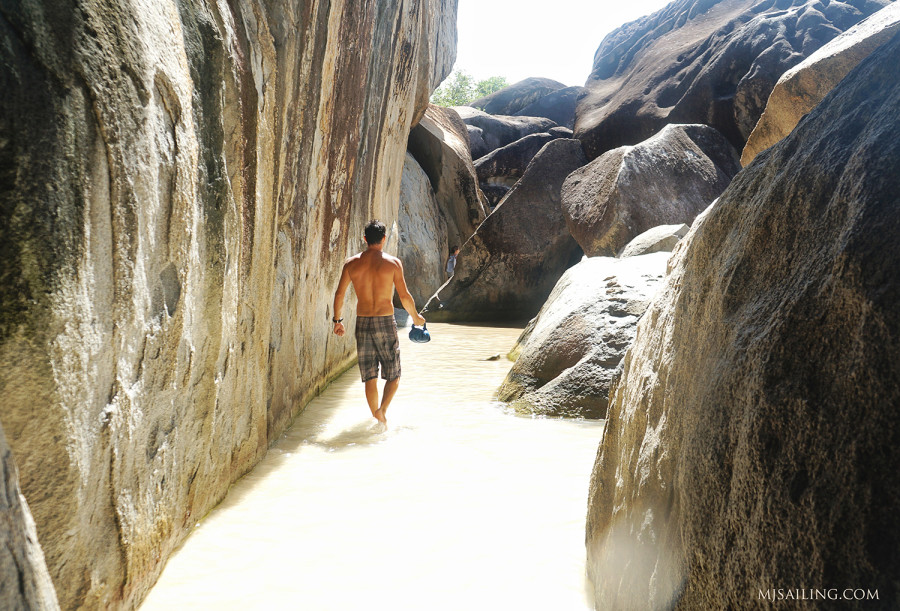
(458, 506)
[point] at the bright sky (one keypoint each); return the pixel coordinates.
(550, 38)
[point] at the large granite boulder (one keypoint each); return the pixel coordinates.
(505, 165)
(440, 144)
(667, 179)
(569, 355)
(753, 442)
(802, 87)
(702, 61)
(513, 98)
(658, 239)
(509, 266)
(180, 183)
(497, 131)
(422, 234)
(24, 580)
(558, 106)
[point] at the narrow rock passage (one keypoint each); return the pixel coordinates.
(460, 505)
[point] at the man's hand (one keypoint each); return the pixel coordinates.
(418, 320)
(339, 329)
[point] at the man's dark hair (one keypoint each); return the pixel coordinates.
(375, 232)
(453, 249)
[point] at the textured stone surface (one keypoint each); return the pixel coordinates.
(702, 61)
(568, 356)
(509, 266)
(180, 182)
(422, 236)
(505, 165)
(558, 106)
(753, 438)
(440, 144)
(24, 580)
(802, 87)
(667, 179)
(658, 239)
(510, 100)
(498, 130)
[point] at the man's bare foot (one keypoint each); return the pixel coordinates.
(379, 415)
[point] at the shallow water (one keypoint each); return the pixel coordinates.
(459, 505)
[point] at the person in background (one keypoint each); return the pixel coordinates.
(374, 275)
(451, 260)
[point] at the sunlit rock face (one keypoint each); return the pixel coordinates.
(702, 61)
(422, 237)
(802, 87)
(569, 354)
(661, 238)
(24, 580)
(752, 440)
(669, 178)
(180, 184)
(440, 145)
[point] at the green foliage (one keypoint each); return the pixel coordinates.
(489, 86)
(460, 88)
(456, 90)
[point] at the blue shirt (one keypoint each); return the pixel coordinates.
(451, 264)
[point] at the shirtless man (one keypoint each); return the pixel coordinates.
(374, 275)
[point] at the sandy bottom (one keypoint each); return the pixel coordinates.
(458, 505)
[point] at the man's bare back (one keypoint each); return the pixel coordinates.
(374, 274)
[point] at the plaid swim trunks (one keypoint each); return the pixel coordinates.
(377, 343)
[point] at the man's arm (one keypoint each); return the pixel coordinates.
(403, 293)
(339, 294)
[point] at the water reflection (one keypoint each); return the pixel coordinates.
(361, 433)
(457, 505)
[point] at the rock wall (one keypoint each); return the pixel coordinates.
(802, 87)
(506, 270)
(24, 580)
(753, 440)
(180, 182)
(702, 61)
